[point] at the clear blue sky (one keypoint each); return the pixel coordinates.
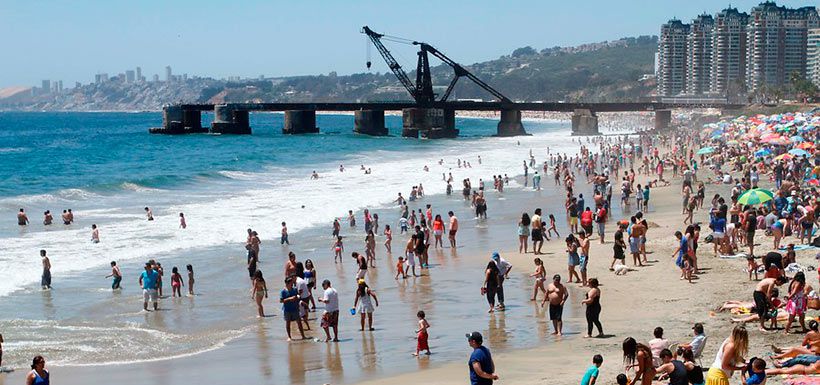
(73, 40)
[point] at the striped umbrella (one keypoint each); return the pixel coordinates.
(784, 156)
(755, 196)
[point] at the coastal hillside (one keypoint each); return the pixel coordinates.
(606, 71)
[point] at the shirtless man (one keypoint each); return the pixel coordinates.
(22, 218)
(584, 254)
(45, 280)
(290, 265)
(149, 214)
(638, 231)
(66, 219)
(556, 295)
(453, 229)
(762, 297)
(70, 217)
(47, 218)
(254, 243)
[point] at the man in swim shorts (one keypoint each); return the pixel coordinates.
(556, 295)
(453, 229)
(762, 297)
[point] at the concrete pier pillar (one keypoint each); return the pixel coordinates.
(369, 122)
(172, 117)
(662, 119)
(192, 122)
(430, 123)
(229, 120)
(584, 122)
(300, 122)
(510, 123)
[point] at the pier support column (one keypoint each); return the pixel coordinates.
(510, 123)
(430, 123)
(369, 122)
(192, 122)
(662, 119)
(229, 120)
(172, 118)
(300, 122)
(584, 122)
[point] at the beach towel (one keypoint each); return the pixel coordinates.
(796, 267)
(800, 247)
(735, 256)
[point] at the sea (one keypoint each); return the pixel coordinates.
(107, 168)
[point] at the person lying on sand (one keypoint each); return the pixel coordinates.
(810, 345)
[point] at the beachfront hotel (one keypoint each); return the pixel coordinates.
(736, 52)
(813, 56)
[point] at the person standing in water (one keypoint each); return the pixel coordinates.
(45, 279)
(116, 274)
(22, 218)
(182, 224)
(557, 295)
(95, 234)
(453, 229)
(593, 311)
(289, 298)
(149, 280)
(176, 282)
(421, 334)
(149, 214)
(190, 269)
(284, 239)
(47, 218)
(259, 291)
(330, 318)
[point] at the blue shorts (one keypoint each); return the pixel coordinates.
(633, 245)
(583, 262)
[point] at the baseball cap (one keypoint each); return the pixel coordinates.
(474, 336)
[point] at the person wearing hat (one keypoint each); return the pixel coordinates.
(504, 268)
(482, 367)
(698, 342)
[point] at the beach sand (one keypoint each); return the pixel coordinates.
(633, 305)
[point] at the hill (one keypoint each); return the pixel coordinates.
(606, 71)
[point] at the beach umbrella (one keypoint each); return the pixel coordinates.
(805, 145)
(706, 150)
(797, 139)
(784, 156)
(813, 182)
(763, 152)
(755, 196)
(798, 152)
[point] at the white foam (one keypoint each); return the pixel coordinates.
(221, 213)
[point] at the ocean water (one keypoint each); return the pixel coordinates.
(106, 168)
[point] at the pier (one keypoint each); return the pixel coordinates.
(429, 120)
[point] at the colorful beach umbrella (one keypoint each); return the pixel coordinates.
(797, 139)
(705, 150)
(798, 152)
(805, 145)
(813, 182)
(755, 196)
(763, 152)
(784, 156)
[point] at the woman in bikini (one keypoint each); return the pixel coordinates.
(810, 345)
(638, 356)
(259, 291)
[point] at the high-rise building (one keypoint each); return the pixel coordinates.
(777, 38)
(139, 75)
(729, 52)
(672, 58)
(699, 55)
(156, 78)
(169, 77)
(129, 76)
(46, 86)
(59, 86)
(100, 78)
(813, 56)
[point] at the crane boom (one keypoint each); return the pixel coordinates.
(391, 62)
(422, 90)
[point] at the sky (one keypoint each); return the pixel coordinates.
(73, 40)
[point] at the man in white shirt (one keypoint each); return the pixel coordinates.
(504, 268)
(330, 319)
(304, 299)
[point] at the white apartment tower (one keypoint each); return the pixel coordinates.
(672, 58)
(699, 55)
(729, 52)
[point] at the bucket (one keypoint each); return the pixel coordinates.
(352, 311)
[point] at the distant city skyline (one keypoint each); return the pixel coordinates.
(73, 41)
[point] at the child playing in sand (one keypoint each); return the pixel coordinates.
(422, 334)
(401, 269)
(752, 266)
(621, 379)
(755, 373)
(338, 248)
(190, 269)
(176, 282)
(591, 375)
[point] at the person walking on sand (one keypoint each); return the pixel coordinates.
(729, 357)
(330, 318)
(583, 256)
(259, 291)
(363, 305)
(481, 365)
(572, 258)
(421, 334)
(537, 232)
(453, 229)
(593, 311)
(504, 268)
(557, 295)
(45, 279)
(289, 298)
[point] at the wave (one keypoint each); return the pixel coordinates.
(12, 150)
(130, 186)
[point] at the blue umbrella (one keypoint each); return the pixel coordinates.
(798, 152)
(797, 139)
(763, 152)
